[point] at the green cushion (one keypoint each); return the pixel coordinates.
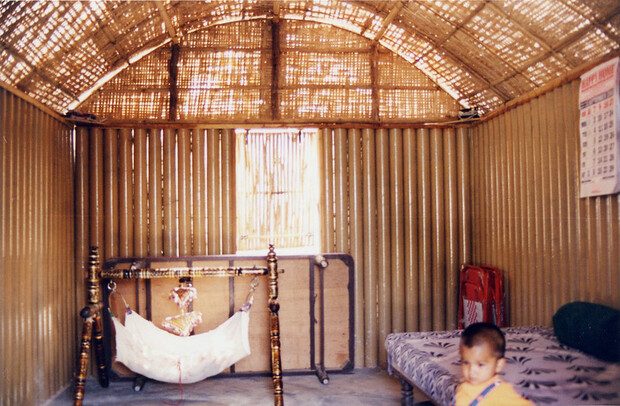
(589, 327)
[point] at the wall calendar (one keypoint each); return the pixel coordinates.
(599, 128)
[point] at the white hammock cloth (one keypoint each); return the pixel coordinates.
(150, 351)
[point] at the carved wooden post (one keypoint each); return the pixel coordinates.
(274, 307)
(92, 323)
(95, 305)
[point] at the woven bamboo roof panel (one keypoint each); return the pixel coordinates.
(481, 53)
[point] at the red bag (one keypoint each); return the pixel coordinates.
(481, 296)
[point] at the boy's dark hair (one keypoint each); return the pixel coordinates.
(484, 333)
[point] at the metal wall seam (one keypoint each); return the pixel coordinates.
(383, 240)
(356, 237)
(327, 189)
(396, 225)
(438, 258)
(465, 205)
(341, 201)
(184, 189)
(229, 228)
(155, 188)
(140, 195)
(371, 346)
(451, 246)
(110, 192)
(125, 193)
(213, 192)
(424, 228)
(199, 192)
(410, 212)
(170, 196)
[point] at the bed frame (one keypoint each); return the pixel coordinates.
(93, 326)
(538, 366)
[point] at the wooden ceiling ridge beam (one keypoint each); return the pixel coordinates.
(600, 22)
(172, 31)
(564, 43)
(36, 70)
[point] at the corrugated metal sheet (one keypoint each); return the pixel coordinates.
(528, 218)
(407, 228)
(135, 188)
(37, 302)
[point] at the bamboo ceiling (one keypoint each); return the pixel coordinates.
(481, 53)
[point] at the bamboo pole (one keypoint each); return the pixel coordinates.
(370, 247)
(171, 231)
(213, 191)
(199, 191)
(340, 190)
(184, 190)
(126, 212)
(357, 240)
(424, 229)
(383, 243)
(438, 260)
(397, 242)
(155, 187)
(410, 181)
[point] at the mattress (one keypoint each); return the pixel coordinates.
(538, 366)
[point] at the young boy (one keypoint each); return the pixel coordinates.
(482, 350)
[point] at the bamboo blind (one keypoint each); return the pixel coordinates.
(38, 284)
(277, 190)
(528, 218)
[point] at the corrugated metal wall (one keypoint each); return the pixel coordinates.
(397, 200)
(155, 192)
(528, 218)
(38, 308)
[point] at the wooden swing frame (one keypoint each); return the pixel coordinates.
(92, 326)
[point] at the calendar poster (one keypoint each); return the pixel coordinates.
(599, 109)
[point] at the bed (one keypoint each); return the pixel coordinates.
(539, 366)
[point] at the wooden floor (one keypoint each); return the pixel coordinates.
(360, 387)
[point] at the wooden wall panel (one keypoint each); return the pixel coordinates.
(37, 282)
(553, 246)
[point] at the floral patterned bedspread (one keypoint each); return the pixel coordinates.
(539, 367)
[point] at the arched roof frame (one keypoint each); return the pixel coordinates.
(393, 24)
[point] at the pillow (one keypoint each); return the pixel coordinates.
(589, 327)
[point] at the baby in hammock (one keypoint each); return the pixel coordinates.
(482, 350)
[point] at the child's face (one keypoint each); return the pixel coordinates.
(479, 363)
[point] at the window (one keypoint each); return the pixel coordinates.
(278, 190)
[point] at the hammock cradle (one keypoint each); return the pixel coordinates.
(155, 353)
(160, 355)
